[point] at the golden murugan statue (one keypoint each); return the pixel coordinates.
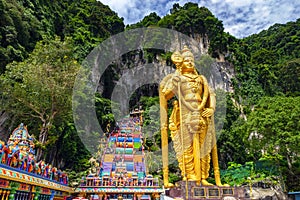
(191, 122)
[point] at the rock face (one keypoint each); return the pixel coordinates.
(139, 72)
(273, 193)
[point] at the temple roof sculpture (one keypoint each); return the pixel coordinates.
(19, 153)
(20, 139)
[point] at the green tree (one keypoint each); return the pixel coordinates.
(150, 20)
(104, 111)
(229, 149)
(41, 86)
(73, 156)
(273, 128)
(194, 21)
(88, 23)
(19, 31)
(25, 22)
(289, 77)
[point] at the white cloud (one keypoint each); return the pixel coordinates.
(240, 17)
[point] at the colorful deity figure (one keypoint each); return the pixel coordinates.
(48, 171)
(14, 149)
(54, 174)
(30, 163)
(2, 151)
(64, 178)
(23, 157)
(191, 122)
(36, 168)
(2, 144)
(41, 167)
(59, 175)
(20, 133)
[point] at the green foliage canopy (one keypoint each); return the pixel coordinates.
(41, 86)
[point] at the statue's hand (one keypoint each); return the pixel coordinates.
(172, 126)
(207, 112)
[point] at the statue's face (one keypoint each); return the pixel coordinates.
(188, 64)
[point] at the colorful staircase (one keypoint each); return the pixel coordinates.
(122, 171)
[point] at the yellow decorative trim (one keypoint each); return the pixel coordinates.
(30, 180)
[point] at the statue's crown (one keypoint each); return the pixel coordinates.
(185, 52)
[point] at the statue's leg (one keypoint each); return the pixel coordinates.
(178, 150)
(189, 164)
(180, 164)
(196, 154)
(205, 165)
(164, 143)
(186, 164)
(188, 152)
(205, 140)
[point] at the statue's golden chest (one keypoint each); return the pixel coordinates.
(191, 85)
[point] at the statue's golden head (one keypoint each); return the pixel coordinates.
(184, 60)
(186, 53)
(188, 64)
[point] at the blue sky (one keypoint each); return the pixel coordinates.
(240, 18)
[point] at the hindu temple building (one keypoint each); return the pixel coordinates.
(22, 177)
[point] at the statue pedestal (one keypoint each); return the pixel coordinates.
(198, 192)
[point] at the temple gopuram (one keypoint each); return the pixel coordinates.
(122, 173)
(22, 177)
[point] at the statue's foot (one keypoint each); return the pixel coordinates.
(218, 183)
(223, 185)
(168, 185)
(206, 183)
